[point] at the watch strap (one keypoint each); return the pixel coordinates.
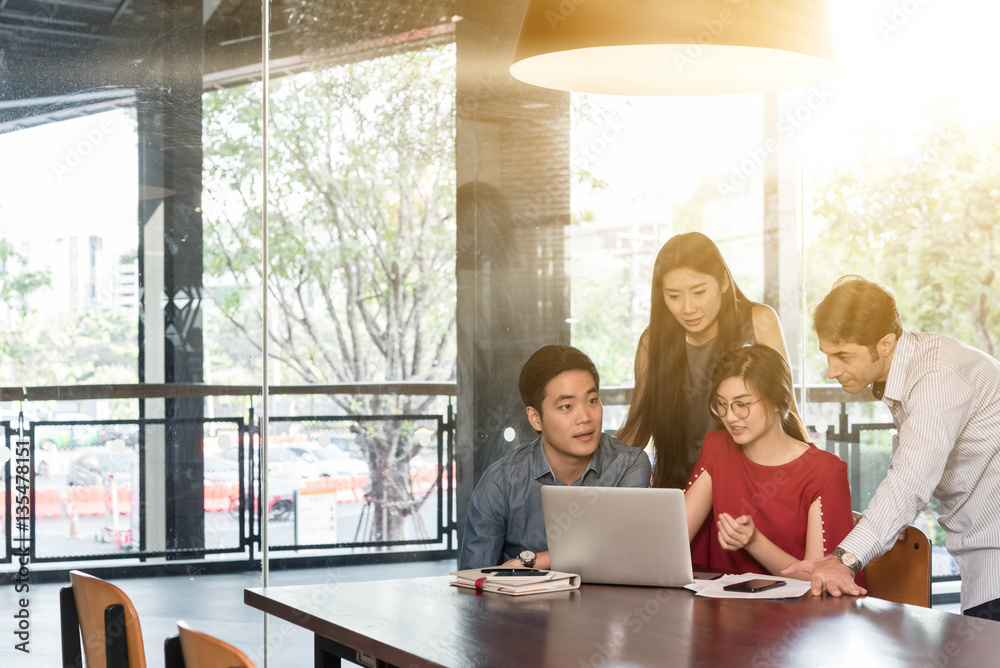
(850, 561)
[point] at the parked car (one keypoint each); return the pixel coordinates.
(128, 433)
(43, 465)
(221, 469)
(329, 461)
(97, 465)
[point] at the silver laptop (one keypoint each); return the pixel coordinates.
(618, 535)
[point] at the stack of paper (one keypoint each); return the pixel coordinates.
(714, 588)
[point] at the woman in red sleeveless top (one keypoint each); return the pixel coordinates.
(772, 497)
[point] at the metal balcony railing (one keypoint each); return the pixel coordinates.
(74, 513)
(79, 489)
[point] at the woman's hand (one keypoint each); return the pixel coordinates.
(735, 533)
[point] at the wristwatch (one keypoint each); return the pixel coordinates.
(527, 559)
(847, 559)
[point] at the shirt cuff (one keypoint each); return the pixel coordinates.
(862, 543)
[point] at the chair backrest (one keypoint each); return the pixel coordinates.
(903, 574)
(201, 650)
(93, 597)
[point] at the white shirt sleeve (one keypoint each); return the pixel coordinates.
(938, 407)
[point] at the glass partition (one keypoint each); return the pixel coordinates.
(128, 415)
(899, 184)
(377, 239)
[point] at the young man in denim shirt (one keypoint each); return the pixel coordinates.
(559, 386)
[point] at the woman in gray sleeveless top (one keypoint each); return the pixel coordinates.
(698, 315)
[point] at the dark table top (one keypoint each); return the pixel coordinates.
(426, 622)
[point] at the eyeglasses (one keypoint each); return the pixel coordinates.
(741, 409)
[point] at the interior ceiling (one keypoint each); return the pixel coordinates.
(60, 58)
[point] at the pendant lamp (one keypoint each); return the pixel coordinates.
(674, 47)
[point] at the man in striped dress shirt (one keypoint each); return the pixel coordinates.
(944, 397)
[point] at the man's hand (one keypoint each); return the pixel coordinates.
(541, 562)
(735, 533)
(828, 574)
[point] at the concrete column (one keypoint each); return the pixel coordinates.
(169, 116)
(513, 168)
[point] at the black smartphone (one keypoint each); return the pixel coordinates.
(753, 586)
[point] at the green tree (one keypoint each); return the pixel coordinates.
(17, 284)
(85, 345)
(361, 238)
(923, 222)
(91, 345)
(606, 326)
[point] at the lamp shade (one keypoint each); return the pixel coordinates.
(674, 47)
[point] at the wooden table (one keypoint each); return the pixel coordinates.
(425, 622)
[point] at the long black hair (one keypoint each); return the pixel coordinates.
(765, 371)
(659, 410)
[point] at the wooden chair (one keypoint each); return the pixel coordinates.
(194, 649)
(903, 574)
(104, 617)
